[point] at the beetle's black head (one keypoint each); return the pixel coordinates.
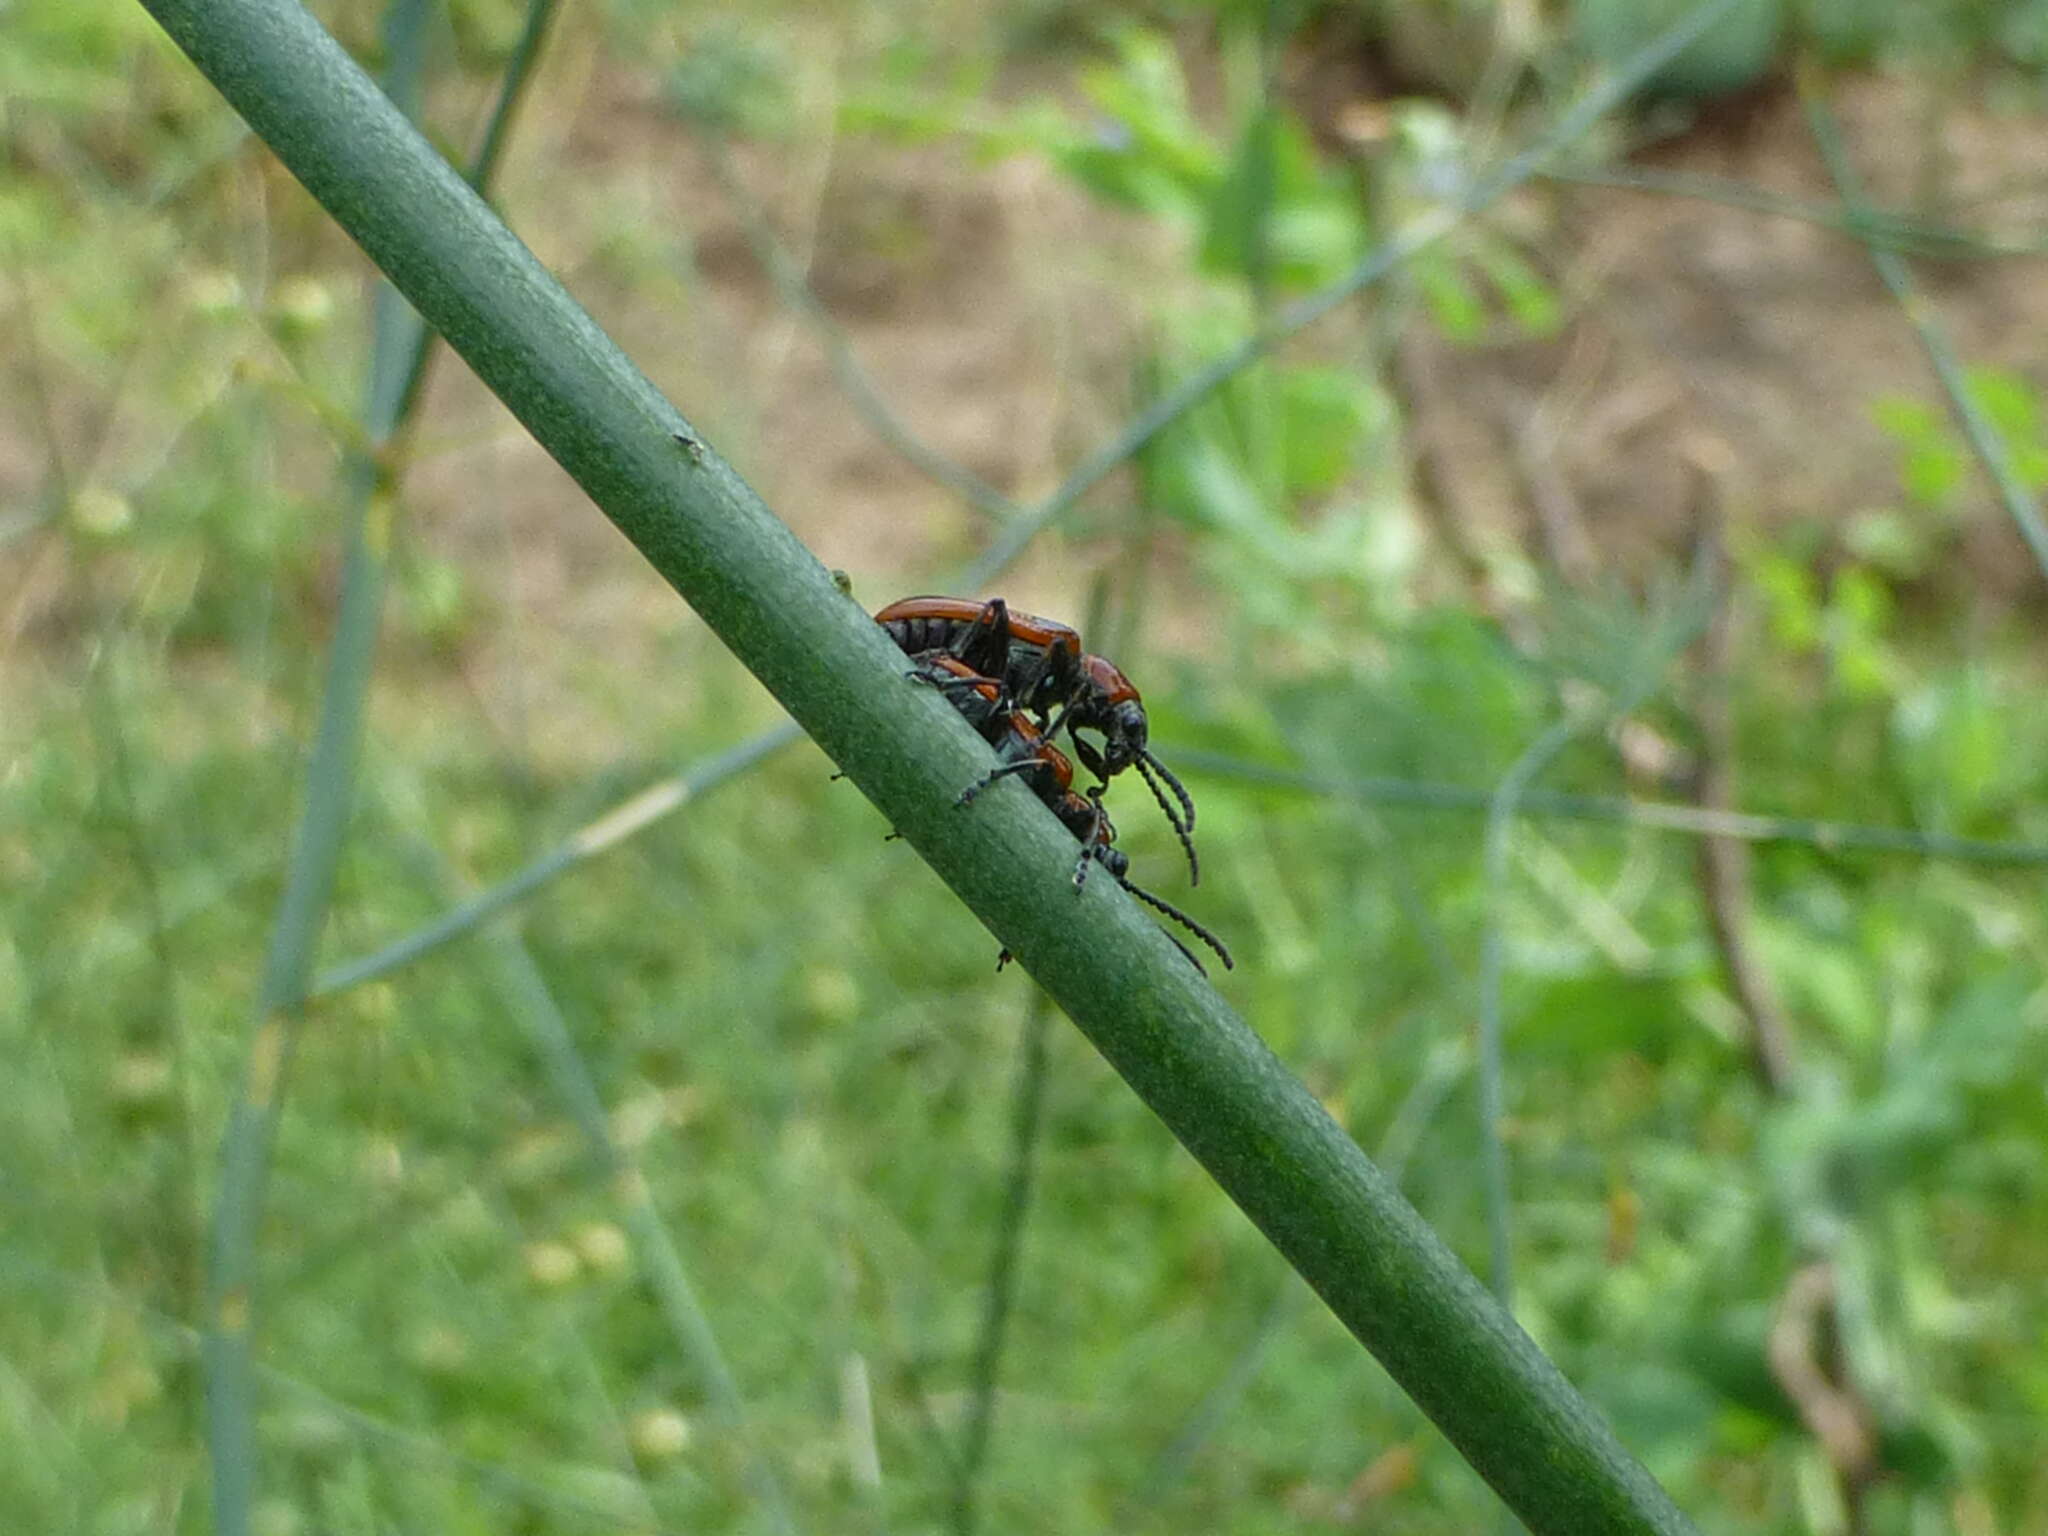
(1123, 736)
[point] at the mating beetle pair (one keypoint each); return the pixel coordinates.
(1001, 669)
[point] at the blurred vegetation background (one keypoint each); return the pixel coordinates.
(1633, 503)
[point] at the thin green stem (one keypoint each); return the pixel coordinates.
(1425, 1096)
(1267, 1141)
(1493, 1158)
(1652, 815)
(400, 348)
(660, 799)
(252, 1119)
(527, 996)
(1667, 636)
(1027, 1115)
(512, 87)
(1978, 429)
(1881, 228)
(483, 168)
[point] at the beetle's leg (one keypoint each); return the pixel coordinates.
(1002, 771)
(985, 644)
(1092, 850)
(978, 698)
(1091, 759)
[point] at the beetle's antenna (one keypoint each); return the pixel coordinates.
(1186, 922)
(1187, 801)
(1183, 828)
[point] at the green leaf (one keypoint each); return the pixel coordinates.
(1932, 459)
(2011, 403)
(1144, 146)
(1453, 303)
(1276, 210)
(1328, 415)
(1954, 744)
(1238, 238)
(1599, 1013)
(1532, 301)
(1791, 600)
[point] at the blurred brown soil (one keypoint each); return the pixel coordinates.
(996, 307)
(1700, 321)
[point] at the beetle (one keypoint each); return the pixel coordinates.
(1026, 753)
(1036, 660)
(1042, 669)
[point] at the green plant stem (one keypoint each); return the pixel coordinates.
(641, 810)
(1417, 1108)
(228, 1355)
(1653, 815)
(1982, 435)
(1027, 1114)
(1880, 228)
(1257, 1129)
(398, 366)
(1493, 1162)
(527, 995)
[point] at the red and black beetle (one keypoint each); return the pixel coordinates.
(1026, 753)
(1043, 670)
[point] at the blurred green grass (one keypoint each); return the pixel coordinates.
(800, 1037)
